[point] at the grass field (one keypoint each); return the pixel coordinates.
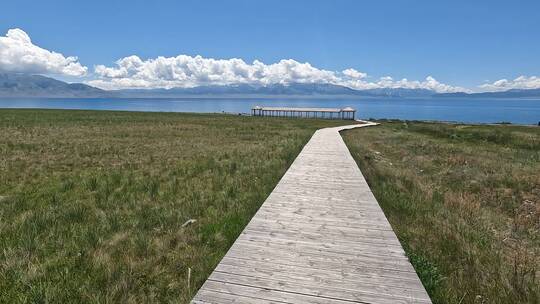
(92, 203)
(465, 203)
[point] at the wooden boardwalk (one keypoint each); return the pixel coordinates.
(320, 237)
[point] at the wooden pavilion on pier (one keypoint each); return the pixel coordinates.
(325, 113)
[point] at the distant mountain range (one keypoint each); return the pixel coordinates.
(293, 89)
(514, 93)
(24, 85)
(243, 89)
(13, 85)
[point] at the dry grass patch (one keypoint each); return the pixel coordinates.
(464, 201)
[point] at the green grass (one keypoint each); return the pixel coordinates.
(465, 203)
(92, 203)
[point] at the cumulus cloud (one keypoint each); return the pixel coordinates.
(521, 82)
(352, 73)
(188, 71)
(19, 54)
(388, 82)
(191, 71)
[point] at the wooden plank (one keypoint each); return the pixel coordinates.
(366, 249)
(322, 271)
(214, 297)
(311, 257)
(327, 264)
(268, 294)
(318, 221)
(320, 237)
(338, 289)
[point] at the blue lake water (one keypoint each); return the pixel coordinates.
(518, 111)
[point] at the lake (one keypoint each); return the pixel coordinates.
(517, 111)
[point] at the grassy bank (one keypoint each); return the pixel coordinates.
(465, 203)
(92, 204)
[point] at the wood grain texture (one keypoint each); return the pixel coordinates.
(320, 237)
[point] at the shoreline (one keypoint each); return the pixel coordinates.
(451, 122)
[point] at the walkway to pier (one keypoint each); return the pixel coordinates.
(320, 237)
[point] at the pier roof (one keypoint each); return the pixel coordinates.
(294, 109)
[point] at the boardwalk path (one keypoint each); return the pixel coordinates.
(320, 237)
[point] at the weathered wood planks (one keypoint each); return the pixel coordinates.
(320, 237)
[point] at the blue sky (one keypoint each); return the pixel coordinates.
(460, 43)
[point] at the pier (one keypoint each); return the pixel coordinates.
(325, 113)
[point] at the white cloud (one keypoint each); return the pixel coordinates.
(429, 83)
(188, 71)
(19, 54)
(352, 73)
(522, 82)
